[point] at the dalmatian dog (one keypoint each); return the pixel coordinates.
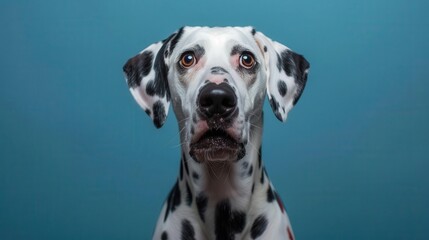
(217, 79)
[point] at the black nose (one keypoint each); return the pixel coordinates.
(217, 100)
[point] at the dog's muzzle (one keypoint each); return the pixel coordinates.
(217, 105)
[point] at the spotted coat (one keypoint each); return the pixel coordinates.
(233, 199)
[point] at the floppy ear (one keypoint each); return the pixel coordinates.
(287, 75)
(147, 77)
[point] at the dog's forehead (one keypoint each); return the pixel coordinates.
(239, 33)
(216, 36)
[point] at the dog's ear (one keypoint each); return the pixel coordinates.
(147, 77)
(286, 75)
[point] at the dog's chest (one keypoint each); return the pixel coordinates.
(195, 216)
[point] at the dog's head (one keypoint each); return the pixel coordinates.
(217, 79)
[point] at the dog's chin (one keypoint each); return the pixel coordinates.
(217, 146)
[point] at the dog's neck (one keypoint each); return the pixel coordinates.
(233, 180)
(218, 191)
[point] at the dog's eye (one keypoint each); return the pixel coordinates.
(187, 60)
(247, 60)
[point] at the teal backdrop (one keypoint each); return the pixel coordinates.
(80, 160)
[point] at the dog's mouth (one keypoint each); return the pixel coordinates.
(216, 145)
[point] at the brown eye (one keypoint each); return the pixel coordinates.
(247, 60)
(187, 60)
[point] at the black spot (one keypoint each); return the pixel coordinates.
(165, 42)
(253, 186)
(242, 152)
(201, 201)
(275, 106)
(199, 51)
(188, 232)
(245, 165)
(301, 75)
(262, 176)
(295, 65)
(279, 62)
(158, 114)
(147, 111)
(146, 61)
(265, 49)
(298, 92)
(185, 162)
(176, 198)
(238, 49)
(218, 70)
(258, 226)
(138, 67)
(188, 195)
(181, 170)
(301, 65)
(249, 173)
(173, 200)
(227, 221)
(175, 39)
(270, 194)
(195, 175)
(260, 157)
(164, 235)
(168, 39)
(281, 85)
(287, 63)
(238, 221)
(160, 84)
(167, 209)
(150, 88)
(192, 130)
(253, 31)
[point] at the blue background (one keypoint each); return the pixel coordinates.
(80, 160)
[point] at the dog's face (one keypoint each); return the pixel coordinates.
(217, 79)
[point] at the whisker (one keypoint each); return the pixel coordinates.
(254, 125)
(227, 175)
(178, 145)
(180, 131)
